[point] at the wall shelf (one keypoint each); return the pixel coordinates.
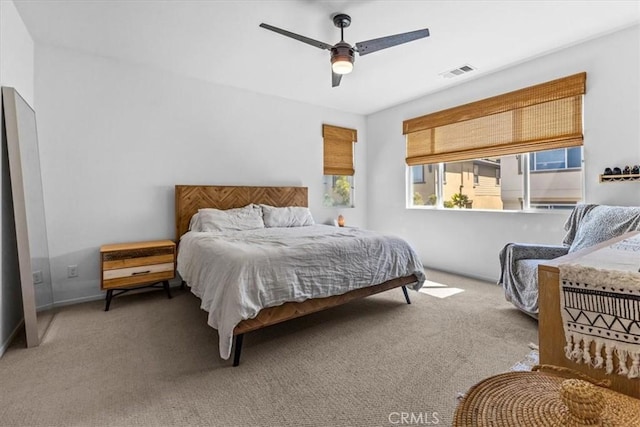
(619, 178)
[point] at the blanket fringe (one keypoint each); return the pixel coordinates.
(578, 350)
(608, 350)
(622, 361)
(586, 356)
(634, 371)
(576, 354)
(568, 349)
(598, 361)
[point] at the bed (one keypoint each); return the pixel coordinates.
(228, 270)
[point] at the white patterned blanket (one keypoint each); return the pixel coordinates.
(600, 305)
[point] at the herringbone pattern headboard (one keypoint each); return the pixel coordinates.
(190, 198)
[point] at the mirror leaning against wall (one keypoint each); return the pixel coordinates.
(28, 207)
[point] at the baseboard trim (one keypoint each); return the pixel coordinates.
(99, 296)
(5, 345)
(80, 300)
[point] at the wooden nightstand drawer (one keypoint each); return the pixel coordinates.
(132, 265)
(134, 275)
(138, 271)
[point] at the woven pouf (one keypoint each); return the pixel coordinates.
(543, 399)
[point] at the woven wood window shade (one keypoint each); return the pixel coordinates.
(542, 117)
(338, 150)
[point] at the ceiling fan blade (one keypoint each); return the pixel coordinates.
(375, 45)
(298, 37)
(335, 79)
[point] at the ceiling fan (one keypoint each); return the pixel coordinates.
(342, 53)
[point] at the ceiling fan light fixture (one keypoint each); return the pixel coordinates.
(342, 58)
(341, 65)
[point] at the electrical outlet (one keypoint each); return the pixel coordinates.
(37, 277)
(72, 271)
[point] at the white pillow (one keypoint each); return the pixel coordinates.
(291, 216)
(194, 223)
(237, 219)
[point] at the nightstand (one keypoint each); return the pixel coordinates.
(128, 266)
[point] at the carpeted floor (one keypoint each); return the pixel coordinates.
(151, 361)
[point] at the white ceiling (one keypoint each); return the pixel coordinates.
(220, 41)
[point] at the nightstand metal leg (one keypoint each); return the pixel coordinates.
(406, 294)
(236, 354)
(108, 299)
(166, 288)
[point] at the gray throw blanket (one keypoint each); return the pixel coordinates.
(586, 226)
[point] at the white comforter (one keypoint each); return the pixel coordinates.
(238, 273)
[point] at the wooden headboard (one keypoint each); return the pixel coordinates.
(190, 198)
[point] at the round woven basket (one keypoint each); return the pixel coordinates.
(543, 399)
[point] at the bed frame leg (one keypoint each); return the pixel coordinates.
(182, 285)
(406, 294)
(236, 354)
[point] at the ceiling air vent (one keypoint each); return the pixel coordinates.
(464, 69)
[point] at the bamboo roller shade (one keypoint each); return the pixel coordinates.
(542, 117)
(338, 150)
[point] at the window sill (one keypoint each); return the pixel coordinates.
(564, 212)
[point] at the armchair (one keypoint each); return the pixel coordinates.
(586, 226)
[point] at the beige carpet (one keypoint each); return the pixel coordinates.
(151, 361)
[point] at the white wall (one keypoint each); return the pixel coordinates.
(116, 137)
(16, 70)
(468, 242)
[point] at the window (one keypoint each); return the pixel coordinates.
(418, 174)
(338, 190)
(500, 184)
(564, 158)
(423, 193)
(518, 150)
(338, 165)
(471, 184)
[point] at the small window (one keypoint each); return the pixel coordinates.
(338, 165)
(476, 174)
(574, 157)
(418, 174)
(338, 190)
(498, 176)
(550, 160)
